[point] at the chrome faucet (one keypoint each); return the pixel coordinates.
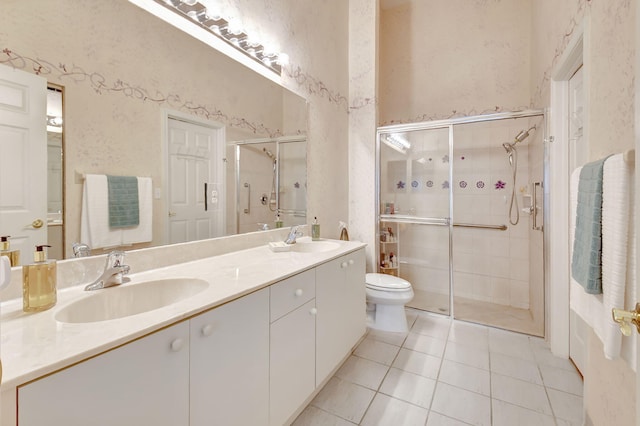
(114, 270)
(293, 234)
(81, 250)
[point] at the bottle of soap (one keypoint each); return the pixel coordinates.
(39, 282)
(13, 255)
(315, 230)
(278, 221)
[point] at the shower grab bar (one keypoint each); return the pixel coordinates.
(476, 225)
(436, 221)
(248, 209)
(397, 218)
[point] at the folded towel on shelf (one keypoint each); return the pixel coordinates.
(586, 263)
(123, 201)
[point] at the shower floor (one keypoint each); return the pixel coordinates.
(491, 314)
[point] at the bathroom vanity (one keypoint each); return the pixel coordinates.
(249, 340)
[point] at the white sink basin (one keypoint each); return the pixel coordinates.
(119, 302)
(310, 246)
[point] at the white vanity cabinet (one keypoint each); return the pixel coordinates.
(229, 371)
(341, 303)
(292, 345)
(145, 382)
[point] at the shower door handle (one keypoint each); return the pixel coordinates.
(248, 209)
(534, 207)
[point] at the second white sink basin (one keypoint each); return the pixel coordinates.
(119, 302)
(309, 246)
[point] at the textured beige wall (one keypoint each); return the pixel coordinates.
(452, 57)
(609, 67)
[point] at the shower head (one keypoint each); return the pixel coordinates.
(269, 153)
(510, 147)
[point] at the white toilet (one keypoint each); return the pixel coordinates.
(386, 297)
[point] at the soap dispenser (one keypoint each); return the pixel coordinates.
(39, 282)
(278, 221)
(315, 230)
(13, 255)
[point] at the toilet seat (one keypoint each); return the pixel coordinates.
(385, 282)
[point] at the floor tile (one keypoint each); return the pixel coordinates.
(467, 354)
(469, 334)
(396, 339)
(418, 363)
(521, 393)
(465, 377)
(387, 411)
(566, 406)
(561, 379)
(543, 355)
(408, 387)
(433, 326)
(344, 399)
(374, 350)
(363, 372)
(412, 315)
(313, 416)
(437, 419)
(505, 414)
(509, 343)
(515, 367)
(462, 404)
(425, 344)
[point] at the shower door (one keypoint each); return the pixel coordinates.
(414, 235)
(460, 216)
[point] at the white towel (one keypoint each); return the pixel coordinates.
(144, 231)
(94, 224)
(615, 239)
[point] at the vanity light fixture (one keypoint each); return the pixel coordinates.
(230, 31)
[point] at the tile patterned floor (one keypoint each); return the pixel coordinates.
(449, 373)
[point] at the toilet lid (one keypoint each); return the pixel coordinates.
(386, 282)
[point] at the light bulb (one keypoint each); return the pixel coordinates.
(190, 2)
(234, 26)
(283, 59)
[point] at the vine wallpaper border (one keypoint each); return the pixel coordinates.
(310, 84)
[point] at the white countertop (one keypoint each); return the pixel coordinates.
(34, 345)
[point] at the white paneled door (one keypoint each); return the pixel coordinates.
(23, 159)
(195, 181)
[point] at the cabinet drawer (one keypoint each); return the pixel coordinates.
(291, 293)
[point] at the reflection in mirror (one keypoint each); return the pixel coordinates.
(116, 93)
(269, 180)
(55, 193)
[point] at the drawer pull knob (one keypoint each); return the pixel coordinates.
(299, 292)
(177, 344)
(313, 311)
(351, 261)
(207, 330)
(344, 265)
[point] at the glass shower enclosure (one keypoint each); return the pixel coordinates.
(460, 216)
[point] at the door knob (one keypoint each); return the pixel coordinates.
(626, 318)
(172, 214)
(37, 224)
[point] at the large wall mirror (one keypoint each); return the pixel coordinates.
(144, 99)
